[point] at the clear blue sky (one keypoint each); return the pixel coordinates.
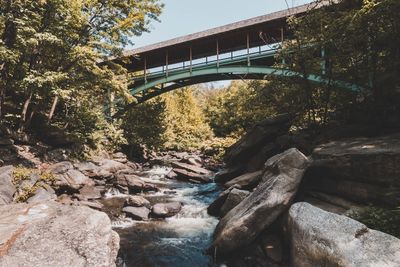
(181, 17)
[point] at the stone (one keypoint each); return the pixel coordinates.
(164, 210)
(87, 168)
(112, 165)
(133, 183)
(42, 194)
(51, 234)
(228, 174)
(272, 246)
(190, 168)
(215, 207)
(73, 180)
(171, 175)
(182, 174)
(281, 179)
(137, 201)
(92, 204)
(61, 167)
(89, 192)
(366, 160)
(137, 213)
(262, 133)
(256, 161)
(336, 240)
(233, 199)
(7, 188)
(246, 181)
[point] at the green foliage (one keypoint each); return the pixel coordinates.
(360, 40)
(217, 146)
(21, 174)
(171, 121)
(385, 220)
(186, 127)
(145, 124)
(49, 60)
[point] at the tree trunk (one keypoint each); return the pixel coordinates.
(24, 112)
(53, 108)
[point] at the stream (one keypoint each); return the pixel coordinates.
(180, 240)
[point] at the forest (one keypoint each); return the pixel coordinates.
(51, 79)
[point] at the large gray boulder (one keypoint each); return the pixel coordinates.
(7, 188)
(50, 234)
(360, 169)
(321, 238)
(283, 174)
(366, 160)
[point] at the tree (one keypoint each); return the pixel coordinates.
(50, 50)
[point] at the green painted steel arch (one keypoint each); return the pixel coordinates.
(239, 70)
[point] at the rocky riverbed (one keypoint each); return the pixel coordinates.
(280, 200)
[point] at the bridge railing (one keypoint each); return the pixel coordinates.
(222, 59)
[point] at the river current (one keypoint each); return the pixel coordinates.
(176, 241)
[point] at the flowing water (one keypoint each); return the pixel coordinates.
(177, 241)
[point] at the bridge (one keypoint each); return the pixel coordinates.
(241, 50)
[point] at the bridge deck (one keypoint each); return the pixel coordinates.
(254, 32)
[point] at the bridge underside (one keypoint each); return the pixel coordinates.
(162, 85)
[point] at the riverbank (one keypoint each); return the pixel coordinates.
(277, 192)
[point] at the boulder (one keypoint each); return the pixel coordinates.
(233, 199)
(7, 188)
(182, 174)
(190, 168)
(137, 213)
(262, 133)
(215, 207)
(246, 181)
(137, 201)
(73, 180)
(274, 194)
(321, 238)
(51, 234)
(256, 161)
(163, 210)
(366, 160)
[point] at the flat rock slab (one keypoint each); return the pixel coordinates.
(185, 175)
(282, 177)
(321, 238)
(190, 168)
(50, 234)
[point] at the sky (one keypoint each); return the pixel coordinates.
(182, 17)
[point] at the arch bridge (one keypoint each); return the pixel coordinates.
(243, 50)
